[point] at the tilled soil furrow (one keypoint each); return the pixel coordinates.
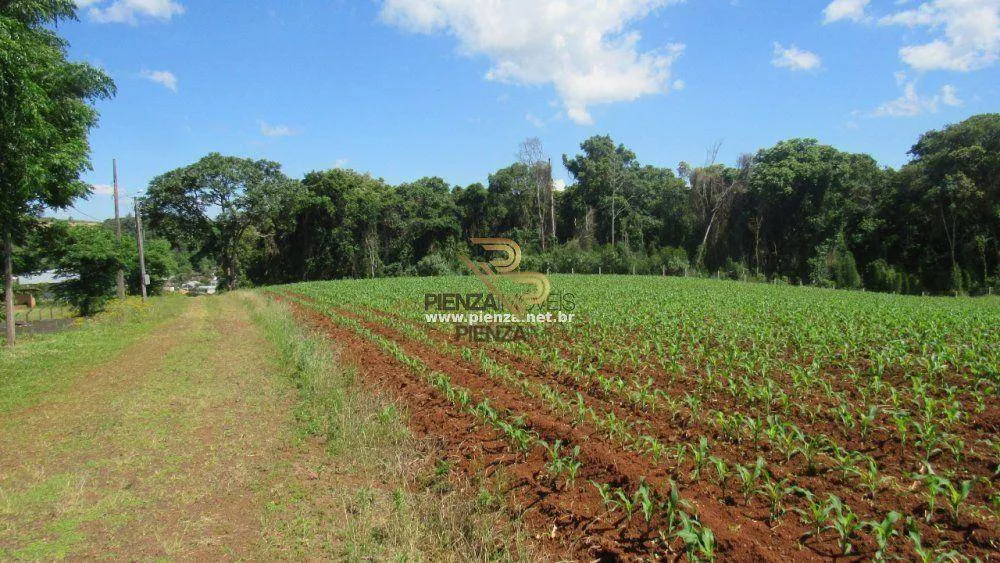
(898, 497)
(740, 536)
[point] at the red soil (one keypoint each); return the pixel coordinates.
(573, 520)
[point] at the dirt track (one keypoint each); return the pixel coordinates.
(171, 450)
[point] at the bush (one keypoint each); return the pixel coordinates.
(736, 270)
(833, 265)
(883, 277)
(674, 260)
(956, 279)
(435, 264)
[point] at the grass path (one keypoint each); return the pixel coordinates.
(169, 450)
(222, 430)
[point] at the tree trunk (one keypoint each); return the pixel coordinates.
(541, 213)
(704, 241)
(613, 220)
(552, 207)
(8, 269)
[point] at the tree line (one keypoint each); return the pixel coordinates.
(798, 212)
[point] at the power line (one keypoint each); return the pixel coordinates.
(91, 217)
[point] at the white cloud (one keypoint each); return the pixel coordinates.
(164, 78)
(968, 34)
(794, 58)
(558, 184)
(276, 130)
(130, 11)
(103, 189)
(534, 120)
(340, 163)
(911, 103)
(584, 49)
(949, 96)
(853, 10)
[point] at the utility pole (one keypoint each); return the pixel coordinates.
(118, 230)
(143, 279)
(8, 267)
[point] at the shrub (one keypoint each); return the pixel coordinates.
(674, 260)
(434, 264)
(883, 277)
(833, 265)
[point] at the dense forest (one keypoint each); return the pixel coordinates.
(799, 212)
(796, 212)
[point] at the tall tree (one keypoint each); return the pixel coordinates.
(806, 194)
(605, 173)
(336, 230)
(539, 176)
(45, 116)
(953, 191)
(472, 203)
(510, 203)
(714, 189)
(421, 216)
(221, 200)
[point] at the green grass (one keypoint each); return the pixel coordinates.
(401, 507)
(218, 428)
(50, 362)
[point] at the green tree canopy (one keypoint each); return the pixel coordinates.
(218, 202)
(45, 116)
(951, 194)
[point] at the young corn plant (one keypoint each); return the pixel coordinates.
(750, 478)
(956, 446)
(624, 501)
(699, 455)
(560, 465)
(721, 475)
(928, 554)
(699, 541)
(754, 427)
(583, 412)
(776, 491)
(607, 496)
(654, 448)
(871, 479)
(882, 533)
(693, 403)
(903, 421)
(928, 438)
(845, 415)
(646, 499)
(673, 506)
(814, 516)
(866, 422)
(729, 426)
(810, 449)
(956, 497)
(643, 395)
(846, 461)
(845, 522)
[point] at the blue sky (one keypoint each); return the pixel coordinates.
(409, 88)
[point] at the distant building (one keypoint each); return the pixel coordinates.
(45, 278)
